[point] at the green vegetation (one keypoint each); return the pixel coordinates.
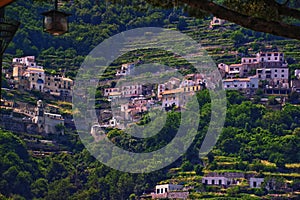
(255, 137)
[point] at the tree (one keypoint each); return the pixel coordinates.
(267, 16)
(199, 169)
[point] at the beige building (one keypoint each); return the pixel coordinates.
(178, 97)
(36, 78)
(59, 85)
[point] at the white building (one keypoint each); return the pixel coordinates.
(270, 57)
(241, 83)
(160, 189)
(216, 180)
(132, 90)
(256, 182)
(28, 61)
(125, 70)
(216, 22)
(277, 76)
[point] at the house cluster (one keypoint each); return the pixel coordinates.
(227, 179)
(224, 179)
(176, 92)
(29, 76)
(131, 100)
(267, 70)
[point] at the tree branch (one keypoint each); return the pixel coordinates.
(256, 24)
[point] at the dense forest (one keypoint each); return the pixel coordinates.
(252, 133)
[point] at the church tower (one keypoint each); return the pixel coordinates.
(39, 115)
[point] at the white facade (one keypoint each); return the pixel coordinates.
(132, 90)
(249, 60)
(215, 181)
(161, 189)
(216, 22)
(172, 97)
(256, 182)
(278, 76)
(36, 78)
(270, 57)
(241, 83)
(29, 61)
(125, 69)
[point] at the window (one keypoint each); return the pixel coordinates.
(282, 70)
(282, 75)
(166, 190)
(254, 184)
(161, 190)
(220, 182)
(32, 79)
(212, 182)
(275, 70)
(206, 182)
(157, 191)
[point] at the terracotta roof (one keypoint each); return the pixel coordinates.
(236, 65)
(178, 90)
(237, 79)
(35, 69)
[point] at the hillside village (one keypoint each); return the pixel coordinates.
(266, 71)
(259, 78)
